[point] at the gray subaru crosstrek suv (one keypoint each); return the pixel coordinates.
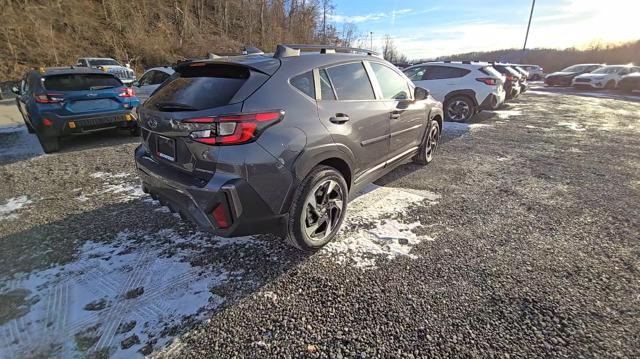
(276, 143)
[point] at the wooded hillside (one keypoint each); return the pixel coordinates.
(150, 32)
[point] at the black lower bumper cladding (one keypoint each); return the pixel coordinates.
(246, 211)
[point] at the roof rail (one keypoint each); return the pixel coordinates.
(289, 50)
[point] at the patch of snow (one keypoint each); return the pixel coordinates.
(124, 185)
(502, 159)
(462, 127)
(505, 114)
(141, 287)
(387, 238)
(572, 126)
(547, 93)
(7, 210)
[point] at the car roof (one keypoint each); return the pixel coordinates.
(459, 64)
(167, 69)
(47, 71)
(268, 64)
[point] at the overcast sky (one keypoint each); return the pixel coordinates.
(429, 28)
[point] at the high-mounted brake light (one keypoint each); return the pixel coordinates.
(488, 81)
(49, 98)
(127, 92)
(232, 129)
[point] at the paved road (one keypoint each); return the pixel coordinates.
(521, 239)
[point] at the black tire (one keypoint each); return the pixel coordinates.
(301, 214)
(610, 85)
(429, 144)
(133, 132)
(459, 109)
(49, 144)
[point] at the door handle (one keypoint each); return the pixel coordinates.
(395, 115)
(339, 118)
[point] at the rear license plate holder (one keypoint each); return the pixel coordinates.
(166, 148)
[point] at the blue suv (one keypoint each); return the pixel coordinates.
(56, 102)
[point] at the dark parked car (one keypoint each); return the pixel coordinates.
(512, 80)
(630, 83)
(565, 77)
(283, 140)
(56, 102)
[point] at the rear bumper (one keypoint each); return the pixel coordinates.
(68, 125)
(194, 200)
(493, 101)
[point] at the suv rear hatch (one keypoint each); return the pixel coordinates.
(177, 120)
(83, 93)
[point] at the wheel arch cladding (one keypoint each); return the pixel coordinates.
(341, 166)
(467, 93)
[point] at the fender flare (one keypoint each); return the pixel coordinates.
(468, 93)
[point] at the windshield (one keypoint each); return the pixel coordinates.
(609, 70)
(103, 62)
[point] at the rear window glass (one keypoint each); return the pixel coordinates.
(491, 71)
(198, 88)
(444, 72)
(80, 82)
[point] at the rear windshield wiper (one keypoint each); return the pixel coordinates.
(174, 106)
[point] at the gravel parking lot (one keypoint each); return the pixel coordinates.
(521, 239)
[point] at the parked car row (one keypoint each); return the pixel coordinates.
(467, 87)
(597, 76)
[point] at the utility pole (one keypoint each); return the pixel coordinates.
(524, 48)
(371, 33)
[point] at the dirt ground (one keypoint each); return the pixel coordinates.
(522, 238)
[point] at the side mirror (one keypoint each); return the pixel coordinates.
(15, 90)
(420, 94)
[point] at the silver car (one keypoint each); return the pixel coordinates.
(150, 81)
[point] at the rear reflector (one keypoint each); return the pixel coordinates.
(220, 215)
(47, 122)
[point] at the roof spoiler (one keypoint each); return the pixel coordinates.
(292, 50)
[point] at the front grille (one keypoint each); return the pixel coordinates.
(583, 80)
(122, 73)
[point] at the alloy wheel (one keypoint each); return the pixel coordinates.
(432, 141)
(322, 210)
(458, 110)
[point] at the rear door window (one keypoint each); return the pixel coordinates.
(326, 89)
(351, 82)
(80, 82)
(197, 88)
(393, 86)
(444, 72)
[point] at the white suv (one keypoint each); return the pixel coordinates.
(464, 87)
(606, 77)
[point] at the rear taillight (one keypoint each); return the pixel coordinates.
(509, 78)
(127, 92)
(488, 81)
(49, 98)
(232, 129)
